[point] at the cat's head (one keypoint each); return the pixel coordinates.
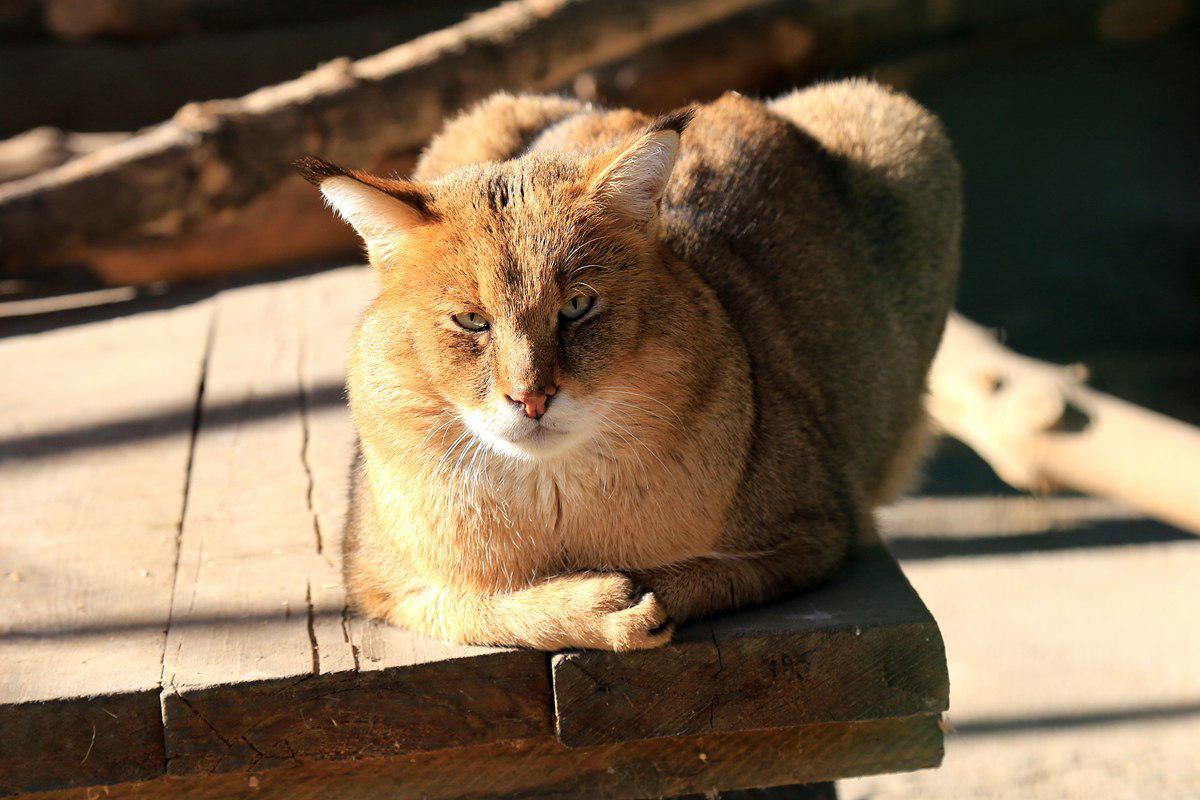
(520, 289)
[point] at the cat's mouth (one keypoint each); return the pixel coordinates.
(541, 439)
(540, 430)
(567, 425)
(538, 439)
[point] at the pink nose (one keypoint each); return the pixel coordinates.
(535, 401)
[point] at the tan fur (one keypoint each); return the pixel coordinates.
(771, 287)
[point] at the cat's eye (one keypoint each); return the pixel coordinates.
(470, 321)
(576, 307)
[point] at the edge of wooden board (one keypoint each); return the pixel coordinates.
(80, 741)
(542, 767)
(357, 714)
(836, 654)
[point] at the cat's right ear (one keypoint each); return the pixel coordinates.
(383, 211)
(632, 182)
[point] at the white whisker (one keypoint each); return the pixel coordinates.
(630, 392)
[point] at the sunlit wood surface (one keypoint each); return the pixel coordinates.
(173, 473)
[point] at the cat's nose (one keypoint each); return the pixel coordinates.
(535, 400)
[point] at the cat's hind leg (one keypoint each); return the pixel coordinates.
(809, 552)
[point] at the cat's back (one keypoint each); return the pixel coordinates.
(894, 163)
(827, 222)
(846, 178)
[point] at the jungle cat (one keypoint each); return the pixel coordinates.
(622, 371)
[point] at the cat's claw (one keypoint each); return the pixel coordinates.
(644, 625)
(621, 615)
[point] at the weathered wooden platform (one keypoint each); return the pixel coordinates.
(172, 487)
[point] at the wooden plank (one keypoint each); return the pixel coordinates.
(861, 647)
(266, 674)
(264, 667)
(544, 768)
(333, 303)
(95, 435)
(240, 609)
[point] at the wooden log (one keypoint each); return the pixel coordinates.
(221, 154)
(43, 148)
(285, 225)
(770, 51)
(89, 543)
(765, 49)
(861, 647)
(288, 223)
(1041, 428)
(542, 767)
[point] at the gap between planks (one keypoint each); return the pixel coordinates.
(187, 485)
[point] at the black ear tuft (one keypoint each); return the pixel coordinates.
(314, 170)
(676, 120)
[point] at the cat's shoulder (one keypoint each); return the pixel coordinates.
(590, 132)
(498, 128)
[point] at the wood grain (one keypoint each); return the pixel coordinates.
(543, 768)
(88, 525)
(264, 665)
(861, 647)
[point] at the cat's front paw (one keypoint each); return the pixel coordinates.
(615, 614)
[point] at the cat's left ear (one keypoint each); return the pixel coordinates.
(382, 210)
(633, 182)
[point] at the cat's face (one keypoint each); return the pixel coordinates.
(519, 290)
(521, 306)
